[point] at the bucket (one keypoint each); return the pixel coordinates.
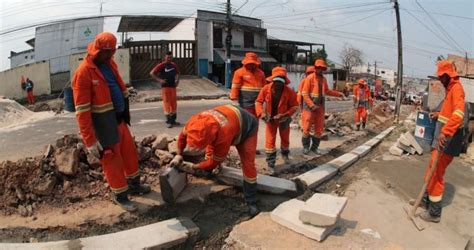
(424, 130)
(69, 100)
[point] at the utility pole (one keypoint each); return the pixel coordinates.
(399, 86)
(467, 65)
(228, 45)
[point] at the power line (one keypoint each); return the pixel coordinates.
(442, 14)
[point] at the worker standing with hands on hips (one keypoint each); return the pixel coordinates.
(448, 139)
(102, 112)
(167, 74)
(215, 131)
(362, 100)
(280, 104)
(315, 89)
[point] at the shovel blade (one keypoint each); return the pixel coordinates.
(419, 224)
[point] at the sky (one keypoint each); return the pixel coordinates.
(429, 27)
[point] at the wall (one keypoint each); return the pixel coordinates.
(38, 72)
(22, 58)
(121, 57)
(184, 30)
(56, 42)
(204, 40)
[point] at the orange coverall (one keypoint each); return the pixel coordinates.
(217, 130)
(286, 106)
(97, 120)
(362, 99)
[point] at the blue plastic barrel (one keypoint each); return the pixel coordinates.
(69, 100)
(424, 130)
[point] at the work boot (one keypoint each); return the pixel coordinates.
(363, 125)
(168, 121)
(271, 168)
(173, 120)
(357, 127)
(135, 188)
(433, 214)
(122, 200)
(315, 144)
(285, 155)
(306, 141)
(424, 201)
(253, 209)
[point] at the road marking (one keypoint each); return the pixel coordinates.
(145, 121)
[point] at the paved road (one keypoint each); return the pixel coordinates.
(147, 118)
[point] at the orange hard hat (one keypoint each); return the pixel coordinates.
(362, 81)
(279, 72)
(309, 70)
(320, 64)
(251, 57)
(103, 41)
(447, 67)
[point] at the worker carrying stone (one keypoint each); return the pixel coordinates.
(215, 131)
(247, 83)
(315, 89)
(280, 104)
(362, 100)
(166, 73)
(102, 112)
(28, 85)
(448, 139)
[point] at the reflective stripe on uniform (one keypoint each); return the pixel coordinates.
(270, 150)
(443, 119)
(235, 85)
(459, 113)
(119, 190)
(252, 89)
(218, 158)
(133, 175)
(250, 180)
(435, 198)
(83, 107)
(102, 108)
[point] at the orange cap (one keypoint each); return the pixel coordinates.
(278, 72)
(320, 64)
(103, 41)
(251, 57)
(309, 70)
(361, 81)
(447, 67)
(201, 131)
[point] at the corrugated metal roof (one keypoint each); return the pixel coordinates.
(148, 23)
(237, 55)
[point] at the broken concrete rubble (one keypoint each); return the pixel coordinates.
(322, 210)
(161, 142)
(67, 161)
(394, 150)
(406, 143)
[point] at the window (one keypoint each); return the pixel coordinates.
(217, 38)
(248, 39)
(383, 72)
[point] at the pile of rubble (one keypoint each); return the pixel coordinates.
(67, 174)
(406, 143)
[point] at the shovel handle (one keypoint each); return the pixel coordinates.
(425, 184)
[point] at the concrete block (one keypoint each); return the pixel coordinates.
(287, 215)
(372, 142)
(414, 143)
(172, 182)
(394, 150)
(265, 183)
(406, 148)
(317, 176)
(322, 210)
(361, 150)
(164, 234)
(344, 161)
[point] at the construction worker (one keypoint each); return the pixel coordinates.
(215, 131)
(362, 100)
(448, 139)
(309, 70)
(281, 104)
(102, 113)
(167, 74)
(28, 85)
(247, 83)
(315, 89)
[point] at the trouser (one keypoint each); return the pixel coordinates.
(120, 161)
(313, 118)
(247, 150)
(360, 115)
(436, 185)
(30, 97)
(169, 103)
(270, 139)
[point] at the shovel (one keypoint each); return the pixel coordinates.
(419, 224)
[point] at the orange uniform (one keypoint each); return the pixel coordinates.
(299, 98)
(285, 107)
(217, 130)
(97, 119)
(246, 84)
(362, 99)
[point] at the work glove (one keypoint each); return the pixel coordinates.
(177, 161)
(314, 107)
(95, 149)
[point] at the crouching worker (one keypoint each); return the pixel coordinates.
(102, 113)
(215, 131)
(280, 104)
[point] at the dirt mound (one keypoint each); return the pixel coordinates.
(56, 105)
(12, 114)
(67, 174)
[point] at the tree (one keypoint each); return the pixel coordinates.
(317, 54)
(350, 57)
